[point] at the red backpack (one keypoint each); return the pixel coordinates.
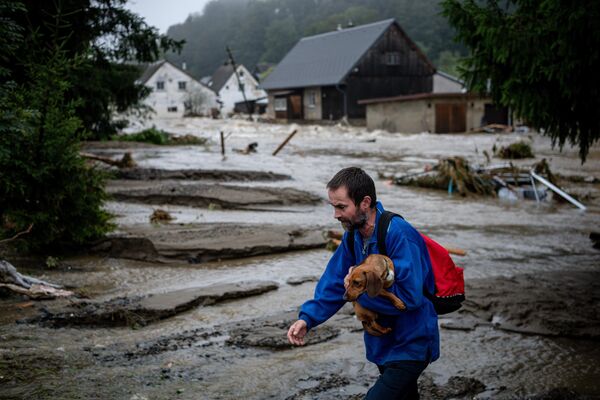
(449, 279)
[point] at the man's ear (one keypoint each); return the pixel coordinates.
(365, 203)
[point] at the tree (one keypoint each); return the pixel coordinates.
(112, 40)
(59, 73)
(540, 58)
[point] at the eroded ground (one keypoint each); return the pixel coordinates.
(197, 308)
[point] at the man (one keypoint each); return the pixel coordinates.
(403, 354)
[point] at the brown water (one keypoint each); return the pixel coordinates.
(502, 238)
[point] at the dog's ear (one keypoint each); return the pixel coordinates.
(374, 283)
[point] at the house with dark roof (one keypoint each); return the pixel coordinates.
(324, 76)
(175, 93)
(236, 90)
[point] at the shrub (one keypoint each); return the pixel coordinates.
(43, 180)
(516, 150)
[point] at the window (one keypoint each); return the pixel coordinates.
(280, 104)
(172, 109)
(181, 85)
(241, 73)
(160, 85)
(312, 99)
(392, 58)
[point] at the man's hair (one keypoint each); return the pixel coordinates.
(357, 182)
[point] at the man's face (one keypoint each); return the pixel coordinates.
(344, 209)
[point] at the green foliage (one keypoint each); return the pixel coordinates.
(265, 30)
(540, 58)
(43, 181)
(107, 35)
(516, 151)
(150, 135)
(160, 137)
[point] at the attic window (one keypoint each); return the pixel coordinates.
(181, 85)
(160, 85)
(172, 109)
(392, 58)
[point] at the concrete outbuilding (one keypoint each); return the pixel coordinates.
(432, 112)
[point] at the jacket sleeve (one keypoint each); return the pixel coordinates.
(329, 292)
(411, 263)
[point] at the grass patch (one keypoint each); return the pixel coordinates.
(160, 137)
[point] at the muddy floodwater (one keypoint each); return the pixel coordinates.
(529, 329)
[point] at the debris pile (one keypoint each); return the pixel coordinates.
(508, 181)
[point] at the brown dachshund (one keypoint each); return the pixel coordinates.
(373, 276)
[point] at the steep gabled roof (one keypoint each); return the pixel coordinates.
(150, 70)
(326, 59)
(220, 77)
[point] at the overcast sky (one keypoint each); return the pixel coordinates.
(162, 14)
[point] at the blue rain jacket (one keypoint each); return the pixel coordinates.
(415, 334)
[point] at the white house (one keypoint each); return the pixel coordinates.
(225, 83)
(175, 93)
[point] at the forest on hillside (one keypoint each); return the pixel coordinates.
(263, 31)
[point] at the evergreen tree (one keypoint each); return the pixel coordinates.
(540, 58)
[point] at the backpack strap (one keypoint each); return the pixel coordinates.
(382, 228)
(350, 243)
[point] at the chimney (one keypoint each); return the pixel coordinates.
(183, 66)
(339, 27)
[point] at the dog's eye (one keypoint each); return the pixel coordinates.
(355, 283)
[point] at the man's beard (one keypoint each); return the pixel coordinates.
(350, 225)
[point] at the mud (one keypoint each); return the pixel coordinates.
(552, 304)
(140, 311)
(529, 328)
(150, 174)
(215, 195)
(207, 242)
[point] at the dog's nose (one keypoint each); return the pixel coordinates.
(345, 296)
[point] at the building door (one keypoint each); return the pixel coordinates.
(295, 111)
(450, 117)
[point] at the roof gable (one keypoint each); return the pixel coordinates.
(326, 59)
(155, 67)
(220, 77)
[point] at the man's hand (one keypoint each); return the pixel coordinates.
(297, 332)
(347, 277)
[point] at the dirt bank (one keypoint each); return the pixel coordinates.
(560, 304)
(202, 243)
(140, 311)
(150, 174)
(205, 195)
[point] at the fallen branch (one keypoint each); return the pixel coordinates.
(32, 287)
(125, 162)
(17, 235)
(285, 142)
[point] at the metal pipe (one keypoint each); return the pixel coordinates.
(558, 191)
(537, 198)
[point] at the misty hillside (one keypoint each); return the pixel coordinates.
(265, 30)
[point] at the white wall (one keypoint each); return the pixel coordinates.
(171, 96)
(231, 94)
